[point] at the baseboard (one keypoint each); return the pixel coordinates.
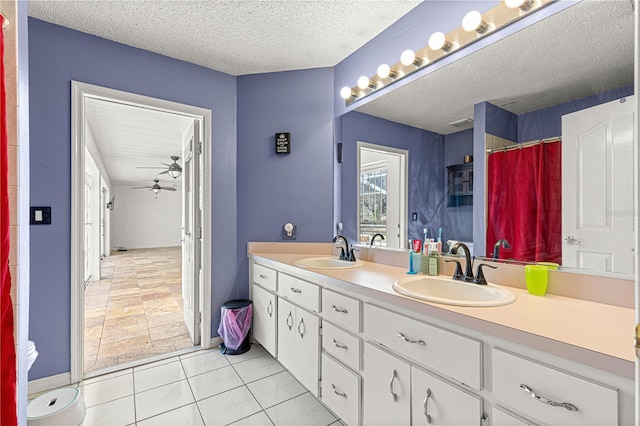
(48, 383)
(215, 342)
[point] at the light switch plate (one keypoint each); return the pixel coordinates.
(40, 216)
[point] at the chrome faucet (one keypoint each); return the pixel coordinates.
(500, 243)
(468, 270)
(346, 253)
(374, 238)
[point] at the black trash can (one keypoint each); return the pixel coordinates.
(235, 322)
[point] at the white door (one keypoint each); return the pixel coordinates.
(598, 188)
(264, 318)
(387, 389)
(191, 238)
(382, 194)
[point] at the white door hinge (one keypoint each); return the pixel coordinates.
(200, 147)
(199, 317)
(484, 420)
(636, 341)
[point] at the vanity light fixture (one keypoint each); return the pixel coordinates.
(472, 21)
(346, 93)
(408, 57)
(441, 45)
(364, 83)
(385, 71)
(523, 5)
(438, 41)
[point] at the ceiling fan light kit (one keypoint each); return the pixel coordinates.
(174, 169)
(155, 188)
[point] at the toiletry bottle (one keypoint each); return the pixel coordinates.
(433, 259)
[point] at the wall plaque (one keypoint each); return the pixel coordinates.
(283, 143)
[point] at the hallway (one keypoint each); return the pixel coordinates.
(135, 311)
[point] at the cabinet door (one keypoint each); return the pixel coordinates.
(307, 350)
(437, 402)
(264, 318)
(286, 334)
(387, 387)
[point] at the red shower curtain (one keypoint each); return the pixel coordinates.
(7, 348)
(524, 202)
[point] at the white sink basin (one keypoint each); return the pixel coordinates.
(452, 292)
(327, 263)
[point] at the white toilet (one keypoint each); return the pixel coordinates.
(64, 406)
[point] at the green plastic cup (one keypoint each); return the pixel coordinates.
(536, 277)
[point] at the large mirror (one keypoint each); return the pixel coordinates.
(511, 92)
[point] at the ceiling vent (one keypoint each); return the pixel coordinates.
(465, 122)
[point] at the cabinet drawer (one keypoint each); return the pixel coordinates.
(596, 404)
(341, 310)
(300, 292)
(451, 354)
(341, 391)
(502, 418)
(434, 401)
(267, 278)
(341, 345)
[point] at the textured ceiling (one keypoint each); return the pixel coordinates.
(581, 51)
(236, 37)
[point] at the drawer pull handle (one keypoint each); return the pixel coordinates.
(263, 276)
(301, 325)
(270, 308)
(547, 401)
(337, 392)
(290, 317)
(406, 339)
(340, 310)
(296, 290)
(426, 405)
(393, 378)
(339, 345)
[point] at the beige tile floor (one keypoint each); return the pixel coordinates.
(135, 311)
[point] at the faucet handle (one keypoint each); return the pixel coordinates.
(352, 255)
(458, 274)
(479, 278)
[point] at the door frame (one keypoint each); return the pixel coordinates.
(79, 92)
(404, 186)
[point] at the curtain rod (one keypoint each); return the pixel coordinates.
(524, 144)
(5, 22)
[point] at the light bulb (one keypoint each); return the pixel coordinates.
(408, 57)
(155, 190)
(346, 93)
(364, 82)
(438, 41)
(384, 71)
(472, 21)
(524, 5)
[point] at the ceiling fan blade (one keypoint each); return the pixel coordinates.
(167, 188)
(161, 173)
(150, 167)
(140, 187)
(168, 165)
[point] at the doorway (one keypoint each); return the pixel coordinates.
(130, 191)
(382, 194)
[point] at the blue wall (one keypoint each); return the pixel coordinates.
(276, 189)
(56, 56)
(426, 180)
(458, 221)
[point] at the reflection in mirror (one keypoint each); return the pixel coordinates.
(517, 89)
(382, 196)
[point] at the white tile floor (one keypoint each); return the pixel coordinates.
(203, 388)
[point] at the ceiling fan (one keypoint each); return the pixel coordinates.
(155, 187)
(174, 169)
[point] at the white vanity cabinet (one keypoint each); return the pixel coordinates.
(299, 343)
(387, 388)
(265, 308)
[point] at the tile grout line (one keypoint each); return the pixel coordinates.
(195, 401)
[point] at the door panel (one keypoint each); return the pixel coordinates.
(598, 188)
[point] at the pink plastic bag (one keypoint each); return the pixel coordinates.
(235, 325)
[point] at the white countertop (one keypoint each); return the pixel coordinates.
(590, 333)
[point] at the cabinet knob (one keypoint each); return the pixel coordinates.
(339, 345)
(408, 340)
(263, 276)
(270, 308)
(337, 392)
(393, 378)
(296, 290)
(290, 317)
(301, 327)
(340, 310)
(426, 405)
